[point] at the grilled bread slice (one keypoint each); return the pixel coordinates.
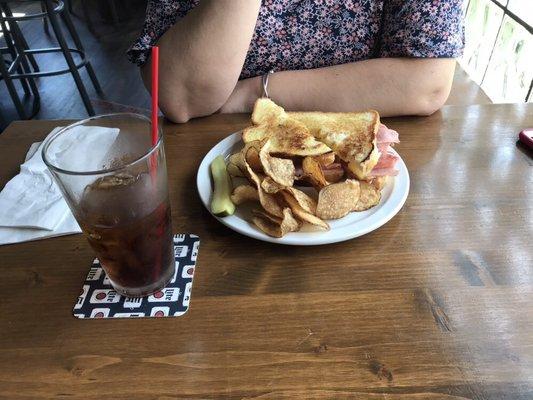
(352, 136)
(287, 136)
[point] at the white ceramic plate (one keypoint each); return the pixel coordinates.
(353, 225)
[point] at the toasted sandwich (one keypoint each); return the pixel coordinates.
(287, 135)
(359, 139)
(352, 136)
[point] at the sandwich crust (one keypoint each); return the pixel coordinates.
(352, 136)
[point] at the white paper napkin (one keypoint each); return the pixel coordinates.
(31, 204)
(32, 199)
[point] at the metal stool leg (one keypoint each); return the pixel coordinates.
(19, 37)
(45, 21)
(2, 120)
(36, 96)
(33, 87)
(28, 84)
(79, 46)
(12, 90)
(54, 22)
(10, 43)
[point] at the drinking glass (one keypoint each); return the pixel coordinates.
(115, 183)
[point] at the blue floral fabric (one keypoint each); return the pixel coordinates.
(304, 34)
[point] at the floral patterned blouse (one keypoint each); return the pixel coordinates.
(304, 34)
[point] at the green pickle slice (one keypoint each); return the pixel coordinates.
(221, 204)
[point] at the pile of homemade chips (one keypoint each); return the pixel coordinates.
(280, 154)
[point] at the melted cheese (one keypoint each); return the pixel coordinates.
(361, 170)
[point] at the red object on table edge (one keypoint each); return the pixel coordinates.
(526, 138)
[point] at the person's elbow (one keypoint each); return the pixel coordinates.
(432, 100)
(183, 104)
(432, 87)
(181, 101)
(179, 111)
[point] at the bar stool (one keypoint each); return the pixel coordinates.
(54, 10)
(21, 66)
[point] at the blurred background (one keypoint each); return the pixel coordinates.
(499, 48)
(106, 29)
(496, 66)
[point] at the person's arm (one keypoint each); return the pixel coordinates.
(201, 57)
(392, 86)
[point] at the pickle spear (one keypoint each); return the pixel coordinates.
(221, 204)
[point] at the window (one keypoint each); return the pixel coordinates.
(499, 45)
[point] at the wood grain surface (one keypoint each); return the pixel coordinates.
(436, 304)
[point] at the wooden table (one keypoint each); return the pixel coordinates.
(436, 304)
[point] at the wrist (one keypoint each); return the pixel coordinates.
(253, 90)
(244, 95)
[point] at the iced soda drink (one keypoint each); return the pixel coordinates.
(131, 235)
(114, 180)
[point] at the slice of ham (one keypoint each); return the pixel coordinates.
(333, 172)
(383, 172)
(387, 160)
(385, 166)
(386, 135)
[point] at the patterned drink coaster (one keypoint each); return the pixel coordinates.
(98, 299)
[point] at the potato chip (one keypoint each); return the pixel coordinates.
(256, 144)
(267, 226)
(337, 200)
(301, 214)
(279, 169)
(369, 197)
(244, 193)
(252, 158)
(379, 182)
(255, 133)
(289, 223)
(303, 200)
(236, 164)
(267, 200)
(269, 203)
(264, 215)
(325, 159)
(313, 173)
(273, 226)
(333, 173)
(271, 186)
(254, 177)
(234, 171)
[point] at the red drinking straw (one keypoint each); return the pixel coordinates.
(155, 110)
(155, 93)
(155, 136)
